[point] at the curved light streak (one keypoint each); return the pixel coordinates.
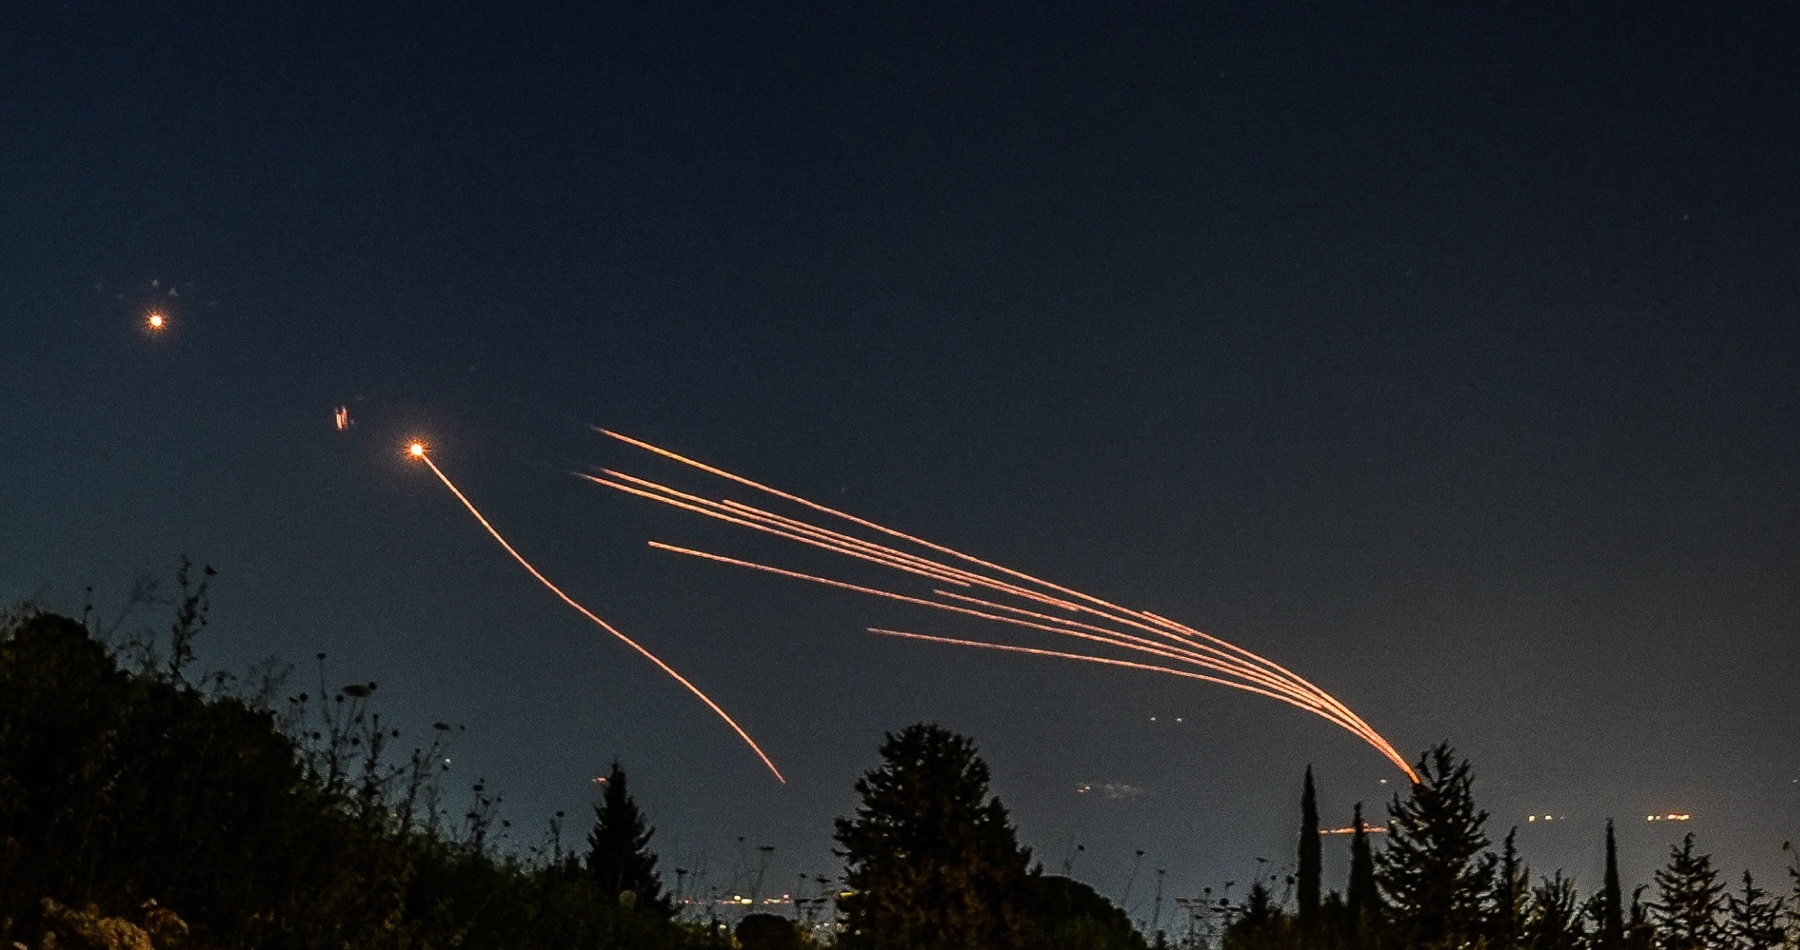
(418, 452)
(1254, 673)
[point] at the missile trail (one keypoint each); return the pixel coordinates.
(1198, 653)
(1274, 690)
(417, 451)
(1186, 645)
(1108, 661)
(751, 517)
(968, 558)
(1108, 637)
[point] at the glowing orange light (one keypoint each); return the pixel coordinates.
(1111, 624)
(155, 320)
(1200, 654)
(417, 450)
(1351, 829)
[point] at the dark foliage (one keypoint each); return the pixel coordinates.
(932, 862)
(1065, 914)
(135, 808)
(1688, 901)
(931, 859)
(1362, 899)
(768, 932)
(146, 807)
(1753, 918)
(1310, 859)
(619, 860)
(1436, 871)
(1609, 904)
(1260, 924)
(1640, 930)
(1553, 919)
(1512, 893)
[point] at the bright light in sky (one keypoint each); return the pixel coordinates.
(156, 320)
(416, 450)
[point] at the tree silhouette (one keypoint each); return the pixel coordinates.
(1793, 908)
(1360, 894)
(139, 810)
(761, 931)
(619, 859)
(1259, 924)
(1640, 930)
(1512, 893)
(1688, 905)
(1610, 905)
(931, 859)
(1553, 919)
(1065, 914)
(1753, 919)
(1310, 860)
(1434, 870)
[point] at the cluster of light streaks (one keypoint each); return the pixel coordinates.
(419, 451)
(1173, 648)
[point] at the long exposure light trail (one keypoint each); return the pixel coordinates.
(1108, 637)
(879, 554)
(1224, 664)
(1112, 625)
(1209, 657)
(752, 517)
(1082, 657)
(969, 558)
(418, 452)
(1185, 629)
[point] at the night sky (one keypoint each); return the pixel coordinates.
(1444, 353)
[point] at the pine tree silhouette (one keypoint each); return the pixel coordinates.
(931, 858)
(1511, 889)
(619, 859)
(1753, 919)
(1553, 920)
(1435, 870)
(1688, 905)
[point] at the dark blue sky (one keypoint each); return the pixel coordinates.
(1445, 355)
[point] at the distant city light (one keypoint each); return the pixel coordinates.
(1672, 816)
(1114, 791)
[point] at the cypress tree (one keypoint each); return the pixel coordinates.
(619, 858)
(1612, 906)
(1310, 860)
(1363, 899)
